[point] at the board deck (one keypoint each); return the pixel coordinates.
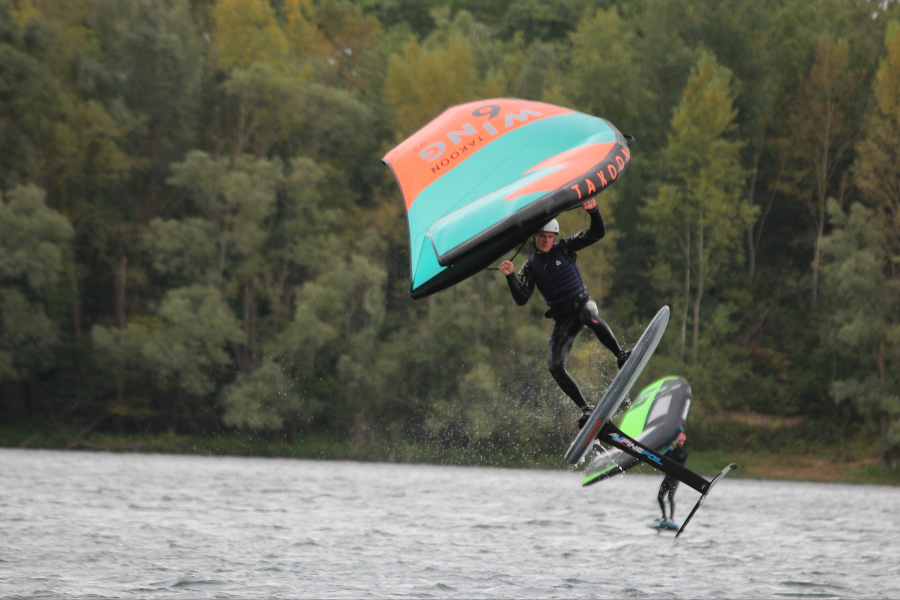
(620, 386)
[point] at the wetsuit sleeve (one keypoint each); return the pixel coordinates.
(585, 237)
(522, 286)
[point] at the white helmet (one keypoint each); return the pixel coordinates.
(552, 226)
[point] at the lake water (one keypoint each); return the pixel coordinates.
(157, 526)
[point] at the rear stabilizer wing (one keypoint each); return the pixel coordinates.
(703, 496)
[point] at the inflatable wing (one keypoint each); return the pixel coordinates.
(483, 177)
(654, 419)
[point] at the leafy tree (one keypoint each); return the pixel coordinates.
(240, 251)
(823, 131)
(536, 76)
(334, 333)
(185, 248)
(877, 173)
(183, 353)
(264, 400)
(333, 126)
(29, 338)
(699, 212)
(864, 320)
(247, 32)
(33, 239)
(607, 78)
(863, 261)
(350, 38)
(238, 203)
(28, 94)
(262, 109)
(664, 58)
(397, 14)
(300, 29)
(544, 21)
(419, 86)
(766, 68)
(127, 79)
(146, 69)
(236, 200)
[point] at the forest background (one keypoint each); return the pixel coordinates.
(198, 240)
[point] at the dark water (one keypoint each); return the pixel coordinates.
(132, 525)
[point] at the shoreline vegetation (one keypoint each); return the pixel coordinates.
(198, 234)
(814, 464)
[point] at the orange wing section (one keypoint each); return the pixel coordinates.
(457, 134)
(566, 167)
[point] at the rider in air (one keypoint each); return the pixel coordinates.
(553, 270)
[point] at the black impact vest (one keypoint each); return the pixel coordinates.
(556, 276)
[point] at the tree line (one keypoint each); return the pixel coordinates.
(197, 235)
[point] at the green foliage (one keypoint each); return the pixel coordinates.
(185, 248)
(537, 74)
(863, 324)
(28, 92)
(28, 336)
(823, 129)
(32, 241)
(263, 108)
(607, 77)
(237, 201)
(247, 32)
(185, 350)
(419, 85)
(543, 20)
(146, 68)
(262, 400)
(215, 214)
(698, 219)
(877, 175)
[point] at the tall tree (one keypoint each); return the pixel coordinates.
(542, 20)
(262, 108)
(238, 201)
(700, 210)
(182, 352)
(863, 320)
(877, 172)
(865, 257)
(606, 76)
(304, 36)
(823, 132)
(247, 32)
(33, 239)
(351, 35)
(419, 86)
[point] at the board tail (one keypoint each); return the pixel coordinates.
(614, 436)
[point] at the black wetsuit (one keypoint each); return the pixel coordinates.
(558, 279)
(670, 484)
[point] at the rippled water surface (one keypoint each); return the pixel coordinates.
(132, 525)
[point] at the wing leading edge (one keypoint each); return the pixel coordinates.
(484, 176)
